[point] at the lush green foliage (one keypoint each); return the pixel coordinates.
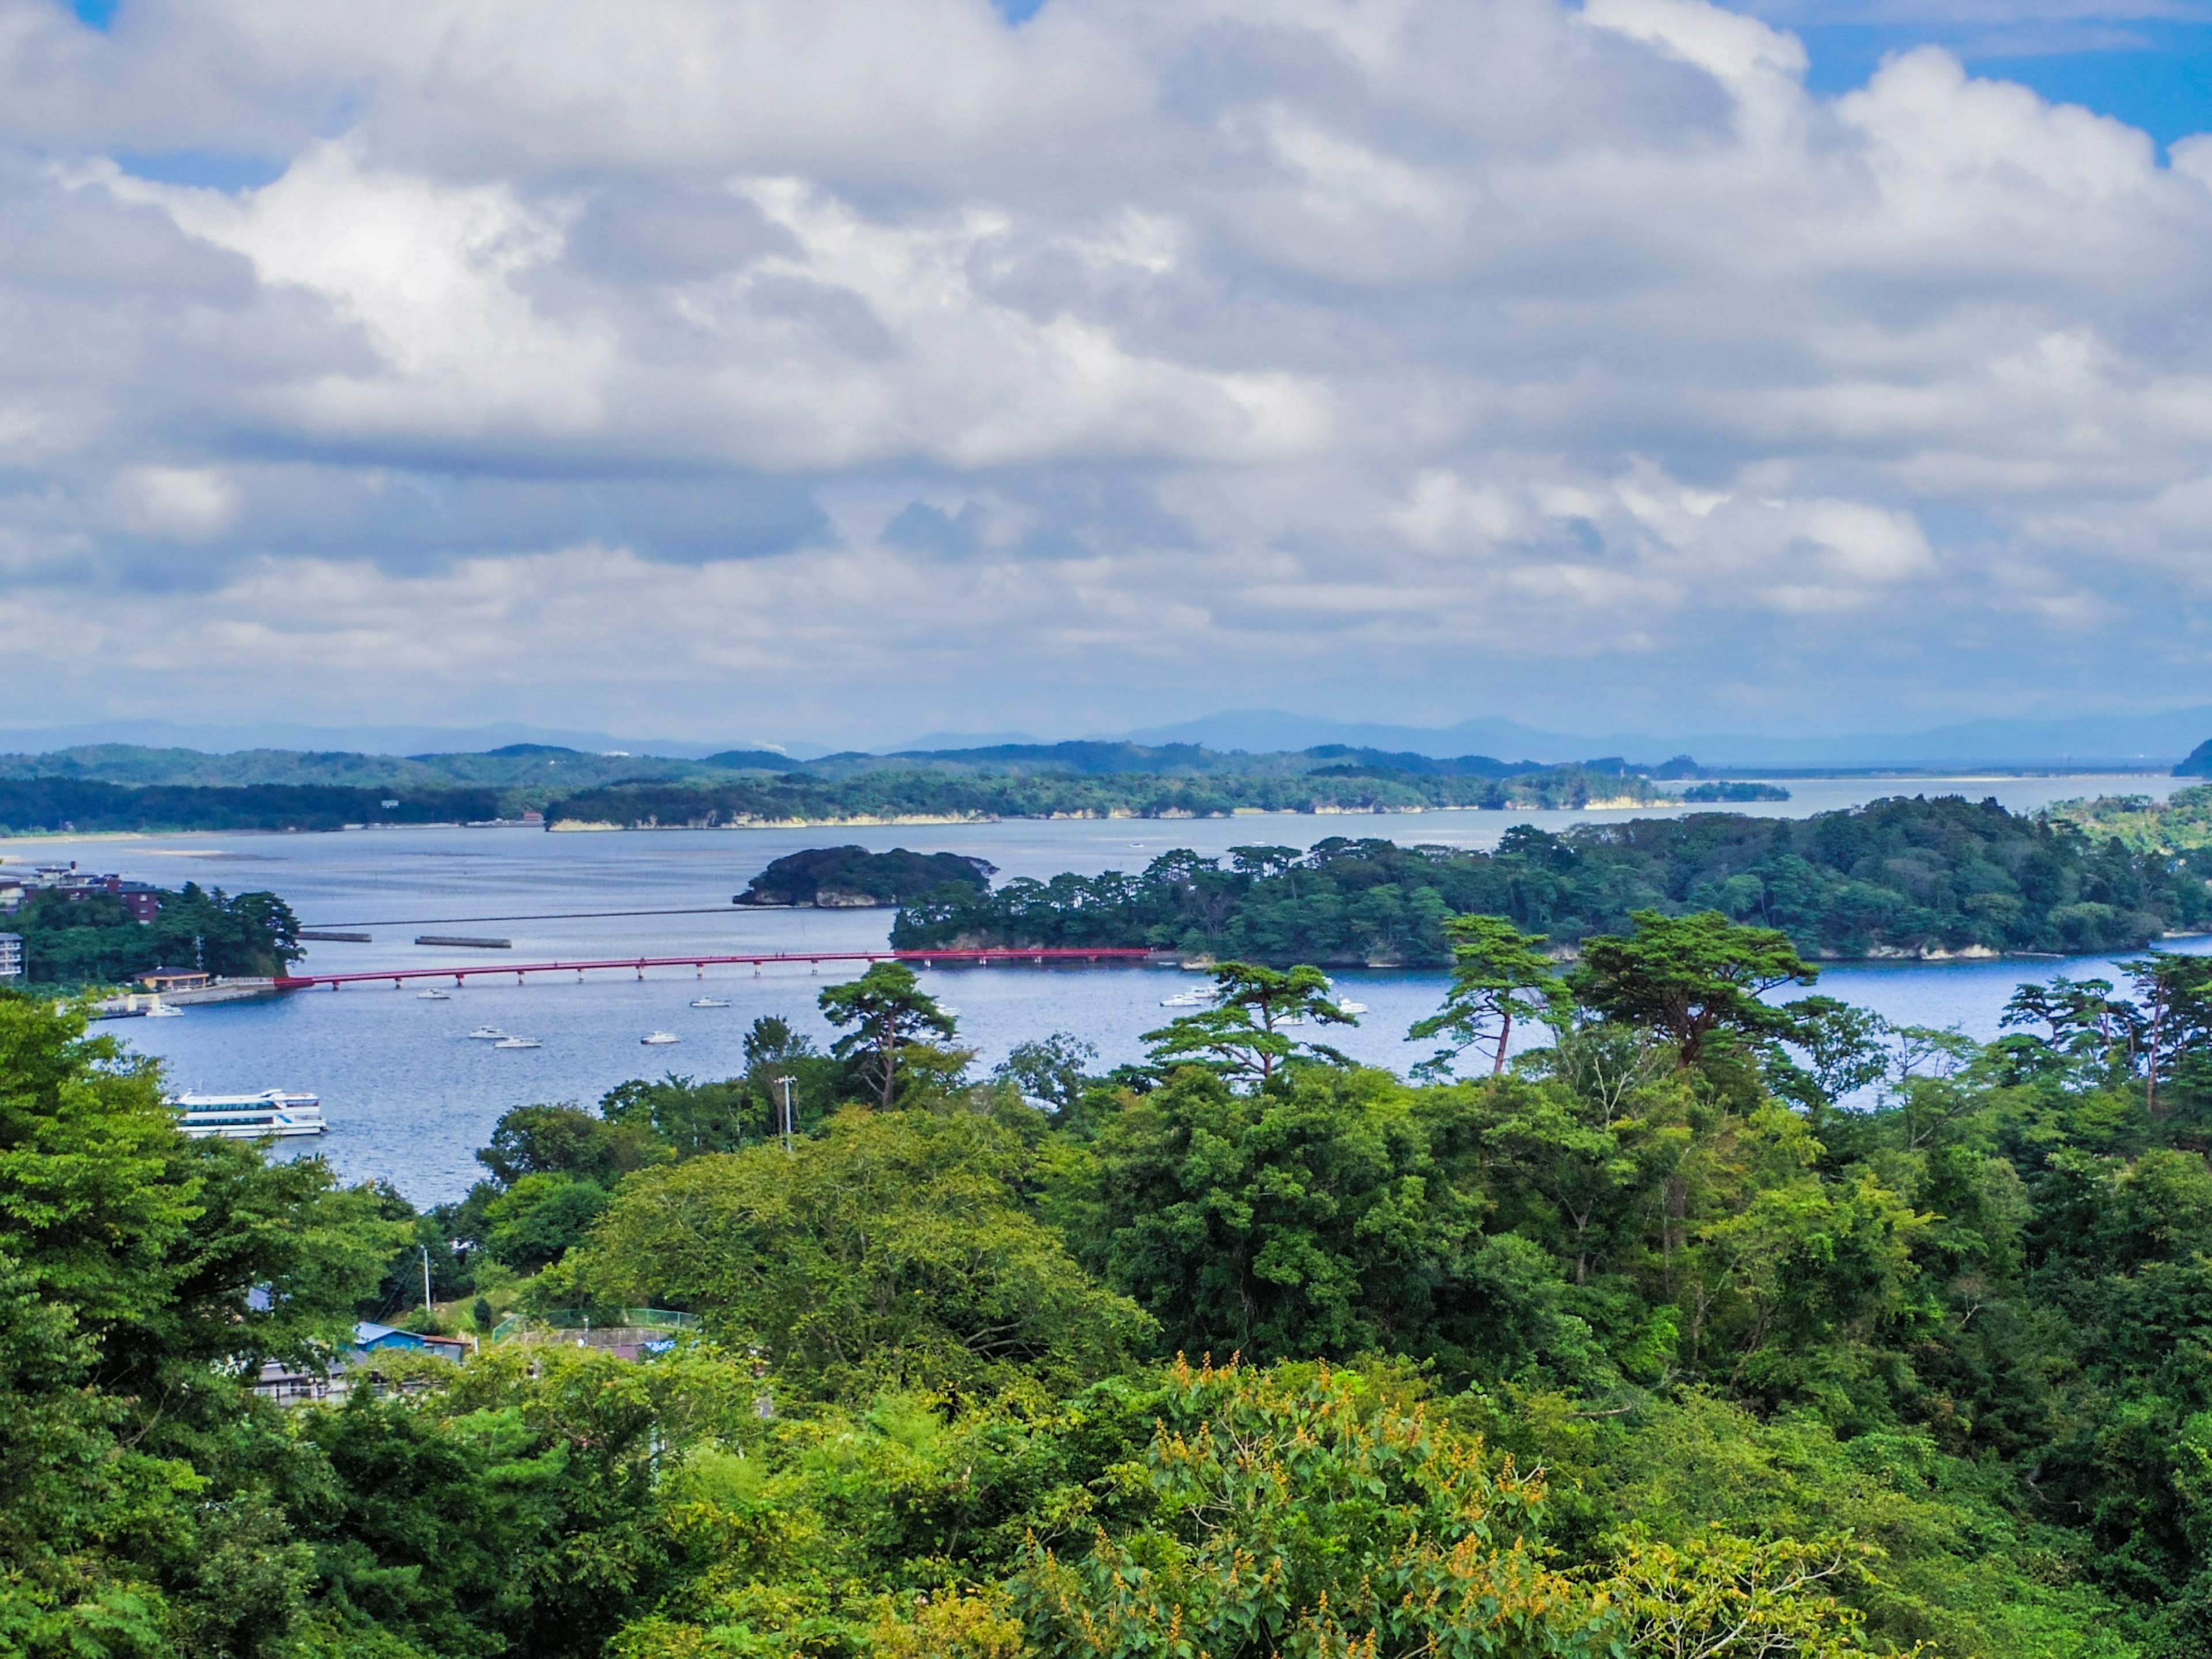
(891, 1250)
(2181, 824)
(1639, 1344)
(1897, 876)
(97, 941)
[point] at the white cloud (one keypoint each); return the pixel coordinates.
(1306, 350)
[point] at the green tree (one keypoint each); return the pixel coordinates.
(892, 1249)
(1309, 1219)
(1689, 977)
(889, 1013)
(567, 1140)
(1307, 1512)
(1500, 974)
(1246, 1034)
(541, 1218)
(1052, 1071)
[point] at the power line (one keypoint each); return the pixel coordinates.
(551, 916)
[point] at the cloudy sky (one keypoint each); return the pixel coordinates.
(839, 370)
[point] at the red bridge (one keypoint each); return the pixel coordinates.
(701, 964)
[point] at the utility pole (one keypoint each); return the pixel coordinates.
(427, 1307)
(790, 1122)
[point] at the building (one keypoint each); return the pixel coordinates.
(11, 956)
(141, 898)
(368, 1337)
(176, 979)
(292, 1385)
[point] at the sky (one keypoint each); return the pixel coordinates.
(833, 371)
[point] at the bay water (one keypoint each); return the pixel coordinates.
(410, 1097)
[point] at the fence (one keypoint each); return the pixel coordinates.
(585, 1319)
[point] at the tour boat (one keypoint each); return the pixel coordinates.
(710, 1002)
(486, 1034)
(1346, 1005)
(249, 1117)
(158, 1009)
(434, 996)
(1187, 999)
(518, 1043)
(656, 1038)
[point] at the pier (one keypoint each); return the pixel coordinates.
(397, 977)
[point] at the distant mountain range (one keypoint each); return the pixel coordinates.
(2140, 741)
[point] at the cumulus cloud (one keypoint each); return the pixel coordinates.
(1397, 357)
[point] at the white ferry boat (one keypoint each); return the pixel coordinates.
(249, 1117)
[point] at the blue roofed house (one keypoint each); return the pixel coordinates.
(369, 1336)
(289, 1385)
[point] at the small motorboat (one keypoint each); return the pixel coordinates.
(1187, 999)
(486, 1034)
(1346, 1005)
(434, 996)
(710, 1002)
(654, 1039)
(518, 1043)
(158, 1009)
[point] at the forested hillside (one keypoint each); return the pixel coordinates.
(1639, 1347)
(1896, 877)
(935, 792)
(87, 806)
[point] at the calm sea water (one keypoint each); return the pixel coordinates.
(410, 1097)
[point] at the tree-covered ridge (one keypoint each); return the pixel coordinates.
(1896, 877)
(88, 806)
(835, 876)
(922, 793)
(96, 940)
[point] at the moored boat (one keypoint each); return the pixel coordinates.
(277, 1112)
(654, 1039)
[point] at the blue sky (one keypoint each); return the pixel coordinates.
(836, 371)
(2154, 73)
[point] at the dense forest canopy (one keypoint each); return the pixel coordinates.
(1636, 1348)
(96, 940)
(87, 807)
(1903, 876)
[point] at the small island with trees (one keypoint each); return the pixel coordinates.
(1902, 876)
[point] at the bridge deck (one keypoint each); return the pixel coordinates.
(397, 976)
